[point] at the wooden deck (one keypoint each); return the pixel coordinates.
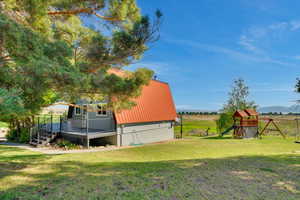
(77, 132)
(92, 134)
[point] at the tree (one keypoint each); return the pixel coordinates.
(238, 100)
(48, 54)
(238, 97)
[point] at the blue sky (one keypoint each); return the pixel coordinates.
(206, 44)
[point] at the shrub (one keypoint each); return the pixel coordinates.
(65, 144)
(23, 136)
(224, 122)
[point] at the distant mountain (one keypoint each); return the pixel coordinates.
(194, 110)
(282, 109)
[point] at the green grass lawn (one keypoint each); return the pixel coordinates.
(197, 168)
(196, 127)
(3, 125)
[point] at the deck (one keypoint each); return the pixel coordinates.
(79, 132)
(92, 133)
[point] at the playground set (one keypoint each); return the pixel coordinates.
(246, 124)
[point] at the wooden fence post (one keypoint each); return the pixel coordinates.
(181, 119)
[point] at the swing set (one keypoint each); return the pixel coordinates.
(246, 125)
(266, 127)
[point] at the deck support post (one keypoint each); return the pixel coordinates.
(51, 123)
(87, 128)
(38, 131)
(60, 124)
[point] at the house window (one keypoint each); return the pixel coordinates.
(84, 109)
(77, 111)
(101, 110)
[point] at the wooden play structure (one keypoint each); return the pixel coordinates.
(246, 125)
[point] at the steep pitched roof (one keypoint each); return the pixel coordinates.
(251, 112)
(245, 113)
(240, 113)
(154, 104)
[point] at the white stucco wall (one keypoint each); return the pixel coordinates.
(146, 133)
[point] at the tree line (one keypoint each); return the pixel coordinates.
(197, 113)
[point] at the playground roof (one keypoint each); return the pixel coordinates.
(240, 113)
(251, 112)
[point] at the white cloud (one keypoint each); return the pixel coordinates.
(297, 57)
(254, 38)
(278, 26)
(295, 25)
(275, 88)
(232, 53)
(247, 43)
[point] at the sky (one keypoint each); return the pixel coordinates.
(206, 44)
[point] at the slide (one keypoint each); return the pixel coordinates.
(227, 130)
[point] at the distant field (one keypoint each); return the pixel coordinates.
(197, 125)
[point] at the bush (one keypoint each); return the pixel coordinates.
(23, 136)
(65, 144)
(224, 122)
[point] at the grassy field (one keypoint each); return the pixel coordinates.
(196, 168)
(197, 125)
(3, 125)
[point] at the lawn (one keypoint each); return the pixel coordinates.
(3, 125)
(197, 125)
(195, 168)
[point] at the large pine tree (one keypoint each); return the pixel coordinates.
(47, 53)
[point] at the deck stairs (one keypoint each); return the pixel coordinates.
(44, 132)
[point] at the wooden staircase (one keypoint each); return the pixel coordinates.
(44, 132)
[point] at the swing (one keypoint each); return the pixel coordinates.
(271, 121)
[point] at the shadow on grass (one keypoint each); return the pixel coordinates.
(241, 177)
(218, 137)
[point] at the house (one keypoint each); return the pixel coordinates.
(150, 120)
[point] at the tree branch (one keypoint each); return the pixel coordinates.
(84, 10)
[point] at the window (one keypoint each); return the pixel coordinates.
(77, 111)
(84, 109)
(101, 110)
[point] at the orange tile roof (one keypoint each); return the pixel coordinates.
(117, 72)
(154, 104)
